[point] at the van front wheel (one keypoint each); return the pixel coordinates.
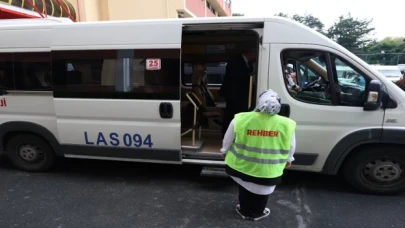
(30, 153)
(377, 170)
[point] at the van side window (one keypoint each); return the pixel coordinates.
(84, 74)
(162, 84)
(117, 74)
(6, 71)
(215, 73)
(32, 71)
(351, 83)
(306, 76)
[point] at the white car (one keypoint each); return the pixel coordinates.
(401, 68)
(393, 73)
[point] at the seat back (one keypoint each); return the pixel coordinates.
(200, 88)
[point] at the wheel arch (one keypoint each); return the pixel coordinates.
(357, 140)
(9, 129)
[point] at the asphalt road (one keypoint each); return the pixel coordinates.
(82, 193)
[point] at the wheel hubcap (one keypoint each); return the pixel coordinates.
(30, 153)
(386, 171)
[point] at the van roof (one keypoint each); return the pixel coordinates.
(33, 21)
(133, 29)
(147, 32)
(204, 20)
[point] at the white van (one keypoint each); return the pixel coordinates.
(117, 90)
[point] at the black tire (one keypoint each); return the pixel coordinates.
(30, 153)
(377, 170)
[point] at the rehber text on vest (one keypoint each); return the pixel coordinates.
(262, 133)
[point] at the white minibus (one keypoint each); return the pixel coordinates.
(125, 90)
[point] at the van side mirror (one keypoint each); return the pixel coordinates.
(285, 110)
(374, 96)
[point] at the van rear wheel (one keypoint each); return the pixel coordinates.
(30, 153)
(377, 170)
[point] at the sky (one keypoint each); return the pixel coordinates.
(386, 17)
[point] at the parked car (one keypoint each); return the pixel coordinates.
(401, 68)
(393, 73)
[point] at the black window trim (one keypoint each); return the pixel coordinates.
(335, 75)
(314, 50)
(331, 74)
(366, 76)
(330, 71)
(96, 95)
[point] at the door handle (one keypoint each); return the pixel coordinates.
(166, 110)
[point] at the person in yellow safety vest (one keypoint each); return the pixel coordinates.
(257, 147)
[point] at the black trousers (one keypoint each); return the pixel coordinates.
(251, 204)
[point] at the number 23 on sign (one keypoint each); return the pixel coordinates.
(153, 64)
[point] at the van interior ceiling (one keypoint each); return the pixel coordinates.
(202, 106)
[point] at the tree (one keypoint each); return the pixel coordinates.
(281, 15)
(310, 21)
(389, 44)
(352, 33)
(385, 51)
(238, 15)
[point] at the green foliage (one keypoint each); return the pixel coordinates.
(352, 33)
(238, 15)
(281, 15)
(386, 51)
(357, 35)
(389, 45)
(310, 21)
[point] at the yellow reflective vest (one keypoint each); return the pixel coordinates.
(262, 144)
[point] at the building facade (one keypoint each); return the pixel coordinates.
(102, 10)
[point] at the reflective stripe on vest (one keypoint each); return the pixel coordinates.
(257, 160)
(262, 144)
(260, 150)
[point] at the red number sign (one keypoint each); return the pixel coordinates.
(153, 64)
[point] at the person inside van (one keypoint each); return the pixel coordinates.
(289, 81)
(235, 86)
(401, 83)
(257, 147)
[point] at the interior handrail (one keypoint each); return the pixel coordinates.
(196, 106)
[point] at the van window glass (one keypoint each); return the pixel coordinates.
(215, 73)
(32, 71)
(84, 74)
(162, 83)
(117, 74)
(6, 71)
(351, 83)
(305, 76)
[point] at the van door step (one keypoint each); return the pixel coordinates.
(214, 171)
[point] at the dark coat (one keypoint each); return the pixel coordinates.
(235, 86)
